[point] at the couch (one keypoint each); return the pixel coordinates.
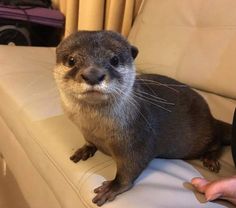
(191, 41)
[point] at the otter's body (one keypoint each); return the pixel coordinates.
(131, 118)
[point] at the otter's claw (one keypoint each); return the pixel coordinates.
(212, 165)
(83, 153)
(108, 191)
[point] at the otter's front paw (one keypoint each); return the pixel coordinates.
(211, 164)
(83, 153)
(108, 191)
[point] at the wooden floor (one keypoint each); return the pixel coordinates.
(10, 195)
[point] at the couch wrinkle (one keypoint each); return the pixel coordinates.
(45, 152)
(55, 164)
(58, 167)
(2, 122)
(92, 169)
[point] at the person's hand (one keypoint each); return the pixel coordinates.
(222, 188)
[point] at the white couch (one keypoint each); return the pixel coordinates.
(192, 41)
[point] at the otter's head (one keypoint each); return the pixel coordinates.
(94, 67)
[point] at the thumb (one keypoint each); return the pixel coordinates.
(200, 184)
(224, 188)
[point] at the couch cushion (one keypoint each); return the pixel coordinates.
(192, 41)
(30, 107)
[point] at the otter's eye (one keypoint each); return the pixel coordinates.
(114, 61)
(71, 61)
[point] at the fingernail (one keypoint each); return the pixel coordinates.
(194, 183)
(213, 197)
(199, 182)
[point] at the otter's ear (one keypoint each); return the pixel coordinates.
(134, 51)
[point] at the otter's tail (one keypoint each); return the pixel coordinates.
(233, 141)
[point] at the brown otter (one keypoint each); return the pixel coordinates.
(133, 118)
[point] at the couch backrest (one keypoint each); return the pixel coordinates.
(193, 41)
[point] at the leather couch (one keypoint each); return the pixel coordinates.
(191, 41)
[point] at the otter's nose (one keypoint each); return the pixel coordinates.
(93, 76)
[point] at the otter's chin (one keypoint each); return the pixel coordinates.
(94, 97)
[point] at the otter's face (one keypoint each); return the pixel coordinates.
(93, 67)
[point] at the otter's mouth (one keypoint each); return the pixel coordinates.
(94, 96)
(93, 92)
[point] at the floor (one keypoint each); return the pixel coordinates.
(10, 195)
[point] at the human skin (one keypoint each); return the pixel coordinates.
(224, 188)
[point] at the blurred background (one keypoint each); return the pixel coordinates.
(46, 22)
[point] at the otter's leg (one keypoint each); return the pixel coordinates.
(83, 153)
(210, 158)
(127, 172)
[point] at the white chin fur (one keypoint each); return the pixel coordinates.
(102, 87)
(72, 91)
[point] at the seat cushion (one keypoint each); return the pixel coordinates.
(30, 107)
(191, 41)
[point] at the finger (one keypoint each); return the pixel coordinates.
(224, 188)
(200, 184)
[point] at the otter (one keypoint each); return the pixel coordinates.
(132, 117)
